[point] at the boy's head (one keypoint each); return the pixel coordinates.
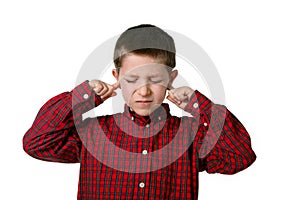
(147, 40)
(144, 57)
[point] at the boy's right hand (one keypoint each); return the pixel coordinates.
(104, 90)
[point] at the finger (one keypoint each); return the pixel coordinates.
(116, 85)
(93, 83)
(104, 90)
(105, 96)
(170, 88)
(113, 94)
(171, 99)
(174, 97)
(182, 97)
(174, 101)
(108, 93)
(98, 88)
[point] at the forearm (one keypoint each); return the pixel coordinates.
(53, 135)
(232, 152)
(222, 141)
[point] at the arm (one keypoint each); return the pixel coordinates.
(222, 142)
(53, 135)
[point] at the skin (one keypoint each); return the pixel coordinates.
(144, 83)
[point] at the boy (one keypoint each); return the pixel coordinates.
(144, 58)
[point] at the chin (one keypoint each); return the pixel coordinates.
(143, 113)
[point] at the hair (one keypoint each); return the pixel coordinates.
(148, 40)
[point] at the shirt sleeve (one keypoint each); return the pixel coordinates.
(53, 136)
(222, 143)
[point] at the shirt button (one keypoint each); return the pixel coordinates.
(142, 185)
(147, 125)
(85, 96)
(205, 124)
(144, 152)
(195, 105)
(159, 118)
(132, 118)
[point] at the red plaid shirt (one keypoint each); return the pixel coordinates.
(59, 134)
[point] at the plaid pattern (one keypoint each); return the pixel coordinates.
(59, 134)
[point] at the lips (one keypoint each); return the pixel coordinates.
(143, 102)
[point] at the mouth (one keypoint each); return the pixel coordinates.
(144, 102)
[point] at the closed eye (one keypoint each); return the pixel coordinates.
(130, 81)
(151, 80)
(156, 81)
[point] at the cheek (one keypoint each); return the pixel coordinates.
(160, 92)
(127, 91)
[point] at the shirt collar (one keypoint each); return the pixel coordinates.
(160, 114)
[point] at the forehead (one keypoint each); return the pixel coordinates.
(133, 64)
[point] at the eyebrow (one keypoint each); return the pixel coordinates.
(132, 76)
(136, 76)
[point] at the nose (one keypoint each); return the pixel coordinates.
(144, 90)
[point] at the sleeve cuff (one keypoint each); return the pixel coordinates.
(198, 103)
(83, 95)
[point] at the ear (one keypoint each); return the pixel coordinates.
(173, 76)
(116, 75)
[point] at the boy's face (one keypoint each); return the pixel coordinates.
(143, 81)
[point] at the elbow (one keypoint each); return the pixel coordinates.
(232, 164)
(250, 159)
(242, 162)
(30, 146)
(35, 151)
(49, 151)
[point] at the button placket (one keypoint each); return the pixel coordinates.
(141, 184)
(145, 152)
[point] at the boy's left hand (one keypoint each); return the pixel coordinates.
(180, 96)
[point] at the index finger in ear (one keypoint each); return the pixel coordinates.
(170, 87)
(116, 85)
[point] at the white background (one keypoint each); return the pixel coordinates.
(254, 45)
